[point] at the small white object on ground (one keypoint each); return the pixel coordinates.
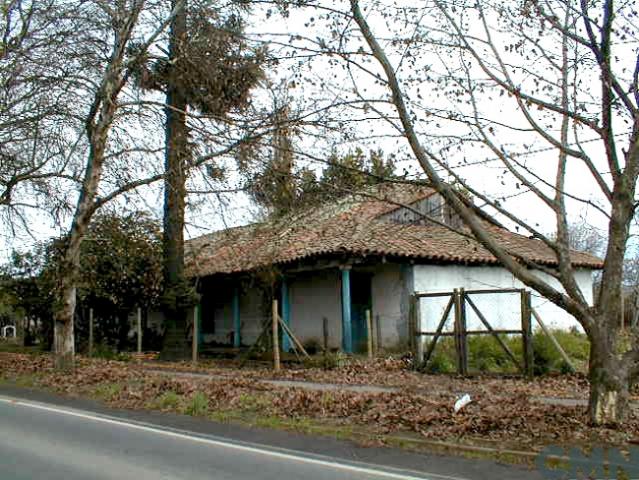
(462, 402)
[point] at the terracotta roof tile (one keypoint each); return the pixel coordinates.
(351, 225)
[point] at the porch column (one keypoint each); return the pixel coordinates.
(237, 335)
(286, 315)
(347, 339)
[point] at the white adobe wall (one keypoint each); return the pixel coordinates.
(312, 297)
(502, 311)
(391, 286)
(251, 317)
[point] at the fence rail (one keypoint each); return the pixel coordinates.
(458, 304)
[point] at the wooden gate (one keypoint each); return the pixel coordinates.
(457, 304)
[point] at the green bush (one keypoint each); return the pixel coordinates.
(198, 406)
(443, 358)
(107, 352)
(167, 401)
(485, 354)
(548, 359)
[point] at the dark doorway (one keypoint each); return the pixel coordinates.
(361, 300)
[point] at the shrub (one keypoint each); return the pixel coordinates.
(548, 359)
(486, 355)
(198, 406)
(312, 346)
(107, 391)
(167, 401)
(443, 358)
(107, 352)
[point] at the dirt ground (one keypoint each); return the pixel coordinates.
(503, 411)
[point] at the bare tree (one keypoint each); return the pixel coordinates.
(111, 65)
(503, 81)
(34, 107)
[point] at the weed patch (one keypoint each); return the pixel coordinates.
(198, 406)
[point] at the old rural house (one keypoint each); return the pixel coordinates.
(361, 252)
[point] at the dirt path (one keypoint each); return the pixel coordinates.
(323, 387)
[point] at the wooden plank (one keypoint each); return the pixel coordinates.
(463, 338)
(553, 340)
(489, 327)
(194, 342)
(473, 332)
(289, 332)
(276, 338)
(419, 341)
(431, 294)
(526, 327)
(369, 334)
(435, 334)
(458, 299)
(325, 333)
(468, 292)
(90, 332)
(493, 291)
(488, 332)
(438, 333)
(139, 330)
(411, 325)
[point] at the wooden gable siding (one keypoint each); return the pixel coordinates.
(432, 206)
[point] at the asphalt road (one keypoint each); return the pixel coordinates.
(42, 440)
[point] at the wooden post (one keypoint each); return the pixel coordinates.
(411, 327)
(196, 333)
(139, 330)
(526, 330)
(378, 335)
(325, 340)
(325, 333)
(369, 335)
(276, 339)
(417, 332)
(463, 337)
(561, 351)
(456, 331)
(237, 323)
(90, 332)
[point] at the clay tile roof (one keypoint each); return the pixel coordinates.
(352, 225)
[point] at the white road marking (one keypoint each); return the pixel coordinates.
(230, 445)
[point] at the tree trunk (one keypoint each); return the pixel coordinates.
(63, 337)
(609, 385)
(124, 327)
(175, 302)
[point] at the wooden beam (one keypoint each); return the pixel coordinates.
(526, 327)
(490, 328)
(369, 334)
(463, 334)
(196, 332)
(287, 331)
(237, 322)
(90, 332)
(553, 340)
(139, 329)
(276, 339)
(438, 333)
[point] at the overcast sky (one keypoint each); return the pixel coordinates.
(318, 81)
